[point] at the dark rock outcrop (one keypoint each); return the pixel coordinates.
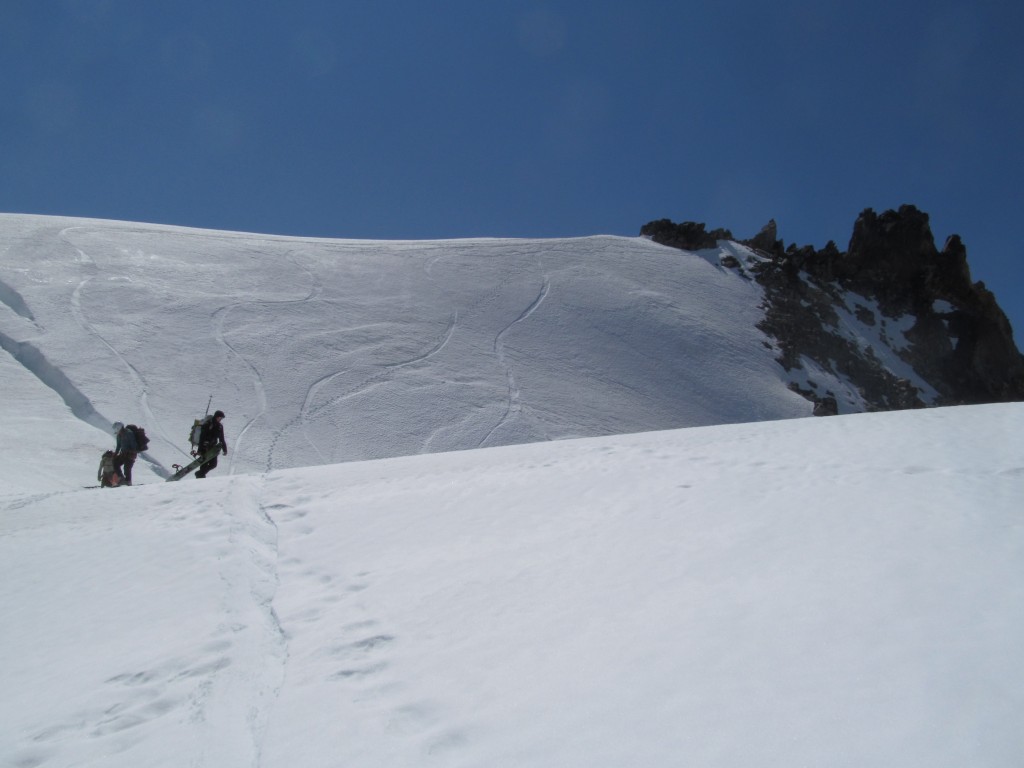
(688, 236)
(919, 301)
(767, 240)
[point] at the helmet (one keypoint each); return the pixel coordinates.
(118, 426)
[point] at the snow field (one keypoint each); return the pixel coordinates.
(841, 591)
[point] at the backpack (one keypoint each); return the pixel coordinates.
(141, 441)
(108, 474)
(195, 437)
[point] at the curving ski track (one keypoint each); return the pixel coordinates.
(385, 374)
(142, 388)
(220, 317)
(514, 406)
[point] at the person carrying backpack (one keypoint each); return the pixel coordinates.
(211, 437)
(126, 451)
(108, 474)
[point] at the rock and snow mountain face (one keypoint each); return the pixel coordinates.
(890, 323)
(795, 592)
(325, 351)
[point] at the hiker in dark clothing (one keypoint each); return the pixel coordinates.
(211, 437)
(126, 452)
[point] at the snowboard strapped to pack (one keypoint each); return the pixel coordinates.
(200, 459)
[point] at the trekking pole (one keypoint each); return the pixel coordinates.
(208, 406)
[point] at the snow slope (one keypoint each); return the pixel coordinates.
(841, 592)
(325, 351)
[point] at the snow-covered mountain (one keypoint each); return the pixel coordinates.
(785, 591)
(326, 351)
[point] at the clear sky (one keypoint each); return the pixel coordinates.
(455, 118)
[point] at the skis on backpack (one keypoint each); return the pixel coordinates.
(181, 471)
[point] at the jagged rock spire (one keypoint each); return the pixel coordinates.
(960, 341)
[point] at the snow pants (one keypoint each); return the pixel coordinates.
(204, 468)
(125, 461)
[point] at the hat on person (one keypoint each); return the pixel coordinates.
(218, 414)
(118, 426)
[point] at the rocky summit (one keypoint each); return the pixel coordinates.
(892, 284)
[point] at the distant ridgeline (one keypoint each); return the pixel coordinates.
(953, 334)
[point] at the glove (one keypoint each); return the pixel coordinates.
(225, 450)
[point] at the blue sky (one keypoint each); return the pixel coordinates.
(455, 118)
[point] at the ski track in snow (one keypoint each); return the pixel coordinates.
(257, 378)
(445, 338)
(386, 371)
(220, 317)
(505, 276)
(234, 702)
(141, 387)
(253, 527)
(306, 411)
(30, 357)
(81, 256)
(514, 406)
(223, 686)
(360, 649)
(517, 267)
(385, 374)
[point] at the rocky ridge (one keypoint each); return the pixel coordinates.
(944, 339)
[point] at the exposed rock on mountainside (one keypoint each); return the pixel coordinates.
(688, 236)
(950, 341)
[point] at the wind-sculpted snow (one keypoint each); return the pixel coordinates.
(324, 351)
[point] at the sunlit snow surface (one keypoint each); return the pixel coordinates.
(323, 351)
(827, 592)
(841, 592)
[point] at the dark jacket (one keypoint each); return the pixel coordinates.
(212, 435)
(126, 441)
